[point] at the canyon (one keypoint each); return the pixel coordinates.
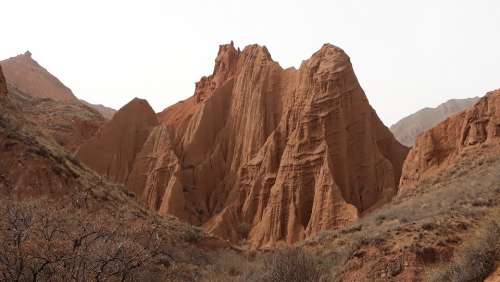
(258, 161)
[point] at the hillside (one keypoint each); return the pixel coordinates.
(61, 221)
(27, 76)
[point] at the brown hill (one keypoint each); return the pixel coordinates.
(270, 154)
(407, 129)
(474, 131)
(112, 151)
(70, 123)
(27, 76)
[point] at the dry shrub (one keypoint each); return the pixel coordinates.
(288, 265)
(41, 243)
(294, 265)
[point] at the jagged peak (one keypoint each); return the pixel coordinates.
(227, 58)
(330, 50)
(28, 54)
(257, 49)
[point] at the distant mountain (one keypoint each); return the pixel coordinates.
(407, 129)
(474, 132)
(23, 73)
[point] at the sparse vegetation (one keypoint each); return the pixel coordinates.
(287, 265)
(475, 259)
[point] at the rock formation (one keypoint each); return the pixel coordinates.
(3, 84)
(474, 131)
(25, 75)
(267, 153)
(407, 129)
(112, 151)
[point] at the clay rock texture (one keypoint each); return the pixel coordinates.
(474, 131)
(269, 154)
(112, 151)
(27, 76)
(407, 129)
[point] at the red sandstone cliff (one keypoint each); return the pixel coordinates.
(474, 131)
(286, 152)
(112, 151)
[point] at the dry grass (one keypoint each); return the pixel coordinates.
(475, 259)
(287, 265)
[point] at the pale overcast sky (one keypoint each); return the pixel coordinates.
(407, 54)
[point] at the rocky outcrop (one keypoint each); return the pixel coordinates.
(474, 131)
(407, 129)
(285, 153)
(3, 84)
(112, 151)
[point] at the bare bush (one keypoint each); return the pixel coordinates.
(41, 243)
(294, 265)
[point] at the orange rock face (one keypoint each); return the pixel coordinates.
(477, 128)
(270, 154)
(112, 151)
